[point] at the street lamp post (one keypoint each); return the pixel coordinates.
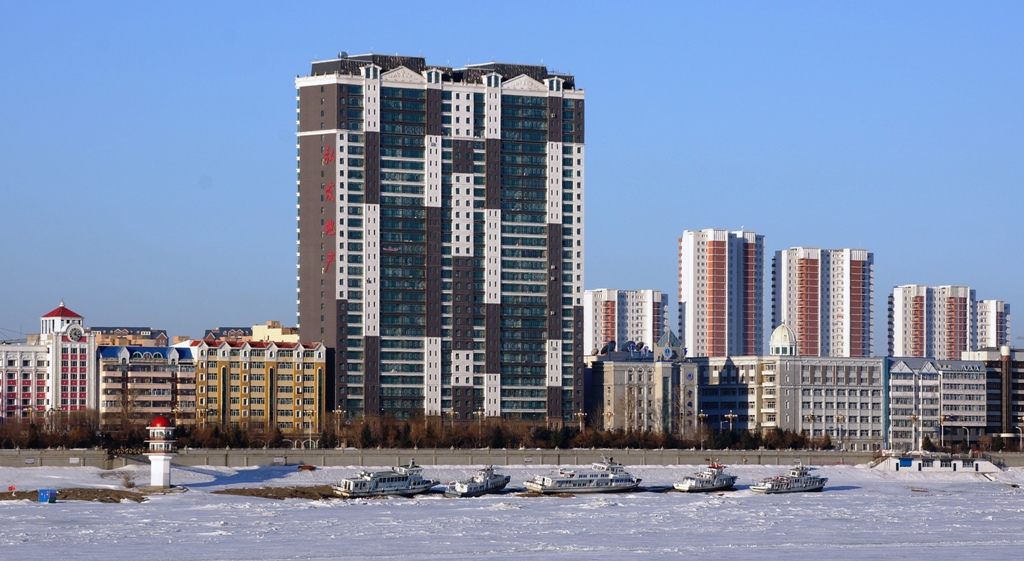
(731, 417)
(839, 427)
(942, 432)
(967, 435)
(309, 426)
(1020, 434)
(810, 419)
(580, 415)
(702, 416)
(913, 432)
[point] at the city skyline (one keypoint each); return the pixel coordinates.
(139, 174)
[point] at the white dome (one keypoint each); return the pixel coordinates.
(783, 341)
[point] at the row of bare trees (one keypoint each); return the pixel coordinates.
(83, 430)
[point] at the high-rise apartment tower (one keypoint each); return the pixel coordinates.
(931, 321)
(623, 315)
(440, 237)
(993, 320)
(721, 286)
(826, 297)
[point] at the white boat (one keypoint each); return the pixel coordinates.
(483, 481)
(799, 480)
(404, 481)
(713, 478)
(602, 477)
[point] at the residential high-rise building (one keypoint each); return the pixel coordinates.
(440, 237)
(621, 316)
(826, 297)
(993, 321)
(721, 292)
(931, 321)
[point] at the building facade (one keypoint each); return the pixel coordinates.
(140, 382)
(721, 292)
(632, 394)
(839, 396)
(273, 331)
(259, 385)
(993, 324)
(236, 334)
(55, 372)
(440, 236)
(931, 321)
(826, 296)
(1004, 375)
(944, 400)
(130, 336)
(623, 315)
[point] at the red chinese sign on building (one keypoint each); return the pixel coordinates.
(328, 155)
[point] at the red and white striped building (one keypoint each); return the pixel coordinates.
(826, 296)
(721, 292)
(931, 321)
(54, 372)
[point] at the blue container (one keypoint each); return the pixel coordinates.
(47, 495)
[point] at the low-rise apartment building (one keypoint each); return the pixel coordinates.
(259, 385)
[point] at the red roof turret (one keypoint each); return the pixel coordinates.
(160, 422)
(61, 312)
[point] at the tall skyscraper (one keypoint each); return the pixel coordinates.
(826, 296)
(621, 316)
(721, 286)
(993, 320)
(440, 236)
(931, 321)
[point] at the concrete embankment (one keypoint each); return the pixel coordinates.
(445, 456)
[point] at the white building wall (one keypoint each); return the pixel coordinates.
(993, 320)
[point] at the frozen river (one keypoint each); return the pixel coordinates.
(862, 513)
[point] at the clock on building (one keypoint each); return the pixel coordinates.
(74, 333)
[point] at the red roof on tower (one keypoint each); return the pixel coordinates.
(61, 312)
(160, 422)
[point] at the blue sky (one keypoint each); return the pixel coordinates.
(147, 175)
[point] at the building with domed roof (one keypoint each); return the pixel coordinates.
(843, 397)
(782, 342)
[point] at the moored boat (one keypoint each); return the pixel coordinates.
(602, 477)
(404, 481)
(712, 478)
(482, 482)
(798, 480)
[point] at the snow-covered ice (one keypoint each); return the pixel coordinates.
(861, 513)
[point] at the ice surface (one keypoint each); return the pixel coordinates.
(861, 513)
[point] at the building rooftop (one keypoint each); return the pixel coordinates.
(61, 312)
(350, 64)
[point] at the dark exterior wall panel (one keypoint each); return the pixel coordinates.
(371, 376)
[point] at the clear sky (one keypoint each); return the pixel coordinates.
(147, 150)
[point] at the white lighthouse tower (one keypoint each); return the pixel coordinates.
(161, 450)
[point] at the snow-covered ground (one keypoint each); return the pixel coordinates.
(861, 513)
